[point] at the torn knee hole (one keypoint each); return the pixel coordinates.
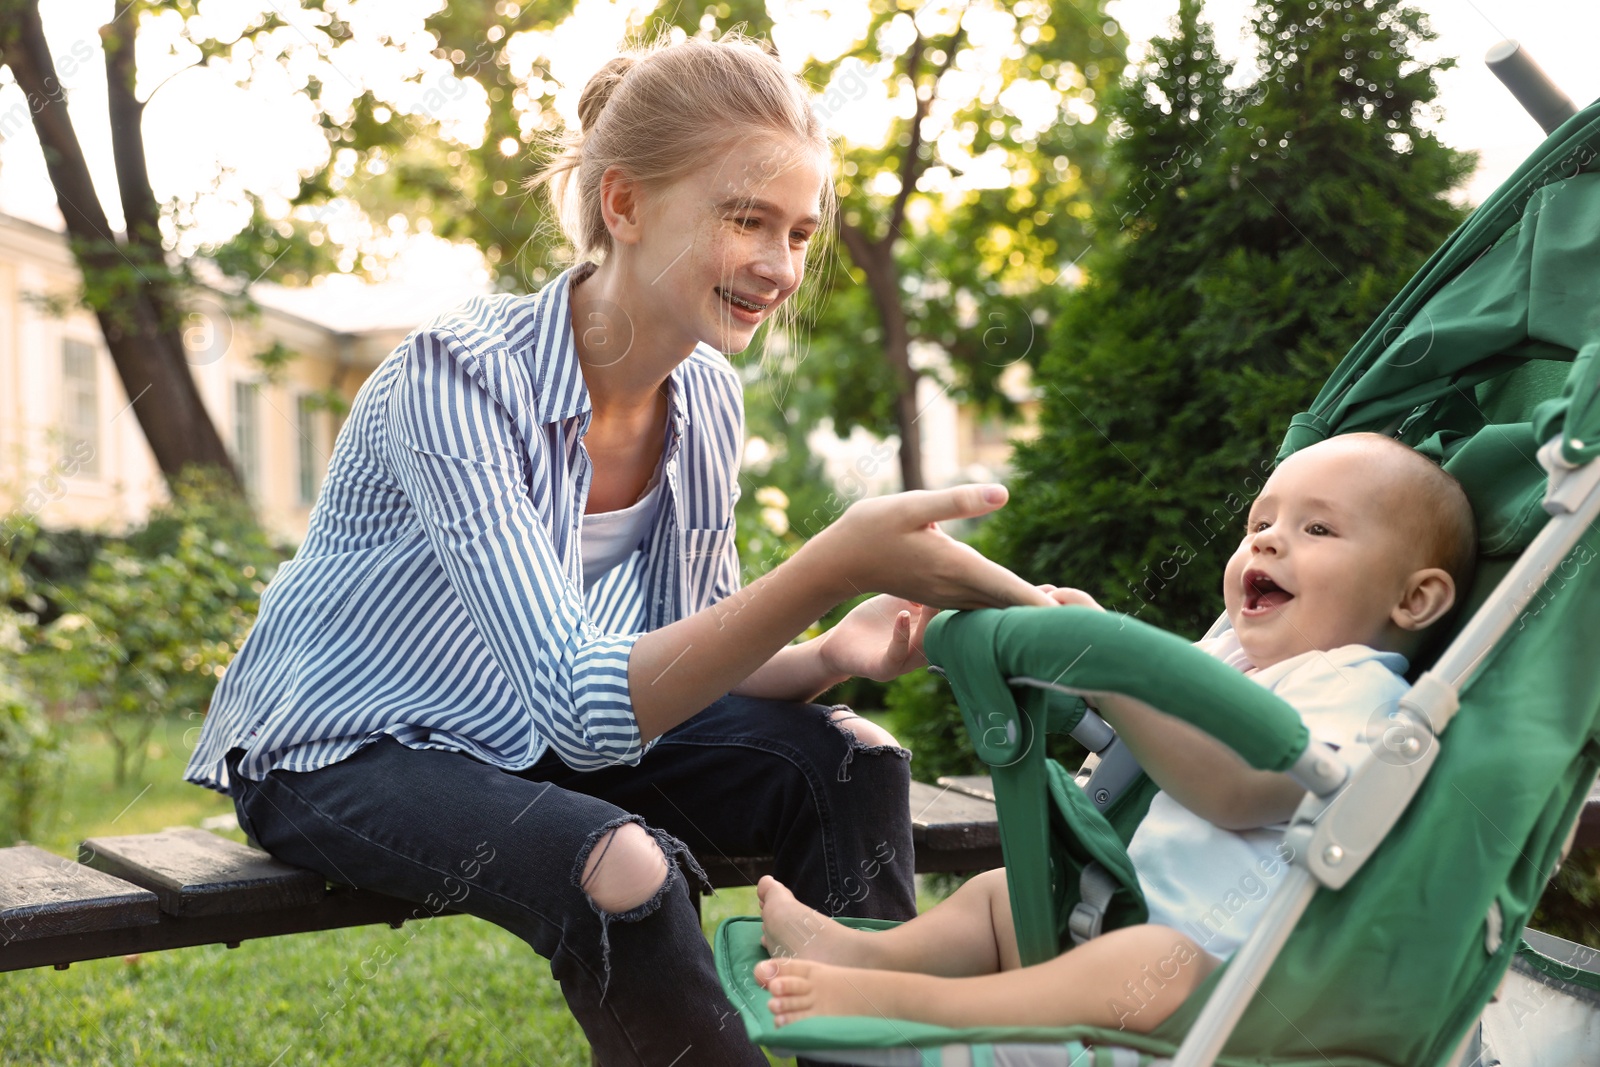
(624, 870)
(865, 732)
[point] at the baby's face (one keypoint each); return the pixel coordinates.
(1324, 561)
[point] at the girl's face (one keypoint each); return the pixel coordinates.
(723, 247)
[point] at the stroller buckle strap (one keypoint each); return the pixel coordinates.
(1095, 889)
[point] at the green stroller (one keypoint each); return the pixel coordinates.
(1419, 857)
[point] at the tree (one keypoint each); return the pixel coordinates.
(1258, 233)
(931, 256)
(128, 283)
(958, 224)
(1254, 235)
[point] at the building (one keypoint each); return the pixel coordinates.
(72, 453)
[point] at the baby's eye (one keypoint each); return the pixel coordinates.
(1318, 529)
(1256, 525)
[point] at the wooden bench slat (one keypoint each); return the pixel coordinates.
(339, 907)
(43, 895)
(973, 785)
(194, 872)
(945, 818)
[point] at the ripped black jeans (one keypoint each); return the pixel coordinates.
(745, 777)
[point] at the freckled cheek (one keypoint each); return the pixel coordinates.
(719, 252)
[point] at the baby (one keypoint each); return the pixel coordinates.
(1353, 549)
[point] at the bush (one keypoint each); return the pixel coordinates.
(152, 626)
(32, 760)
(31, 756)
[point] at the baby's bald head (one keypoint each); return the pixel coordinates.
(1425, 499)
(1356, 540)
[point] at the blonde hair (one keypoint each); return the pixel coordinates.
(660, 112)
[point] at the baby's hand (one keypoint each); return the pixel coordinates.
(1070, 597)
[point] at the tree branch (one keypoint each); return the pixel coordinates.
(24, 49)
(162, 84)
(912, 166)
(141, 217)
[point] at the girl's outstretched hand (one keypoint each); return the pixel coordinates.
(893, 544)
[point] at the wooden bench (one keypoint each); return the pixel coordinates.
(188, 886)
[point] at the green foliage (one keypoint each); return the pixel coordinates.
(1570, 907)
(972, 263)
(1254, 234)
(32, 759)
(1257, 234)
(154, 622)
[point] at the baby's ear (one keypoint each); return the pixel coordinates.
(1428, 595)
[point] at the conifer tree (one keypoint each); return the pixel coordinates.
(1255, 232)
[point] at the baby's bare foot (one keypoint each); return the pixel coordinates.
(789, 928)
(803, 988)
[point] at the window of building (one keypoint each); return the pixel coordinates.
(80, 406)
(247, 433)
(308, 442)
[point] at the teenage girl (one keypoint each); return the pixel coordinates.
(512, 670)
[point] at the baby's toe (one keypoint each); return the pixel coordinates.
(766, 971)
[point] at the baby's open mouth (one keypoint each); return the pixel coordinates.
(741, 302)
(1262, 594)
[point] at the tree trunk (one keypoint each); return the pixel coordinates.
(876, 260)
(127, 285)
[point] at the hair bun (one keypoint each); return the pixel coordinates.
(599, 90)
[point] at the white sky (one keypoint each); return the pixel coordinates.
(201, 128)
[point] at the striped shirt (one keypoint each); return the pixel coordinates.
(438, 597)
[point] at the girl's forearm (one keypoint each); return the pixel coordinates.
(681, 668)
(796, 672)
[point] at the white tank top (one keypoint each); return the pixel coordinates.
(609, 537)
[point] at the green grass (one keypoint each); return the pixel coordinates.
(452, 991)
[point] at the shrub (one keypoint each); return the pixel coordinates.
(32, 759)
(152, 626)
(1254, 234)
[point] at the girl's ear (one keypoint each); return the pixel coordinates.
(1428, 595)
(620, 205)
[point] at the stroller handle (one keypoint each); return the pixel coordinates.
(1538, 95)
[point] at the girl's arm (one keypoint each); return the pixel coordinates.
(879, 639)
(890, 544)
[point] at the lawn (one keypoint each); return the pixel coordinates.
(452, 991)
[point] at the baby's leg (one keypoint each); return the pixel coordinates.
(969, 933)
(1131, 979)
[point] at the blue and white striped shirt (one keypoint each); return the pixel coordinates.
(438, 597)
